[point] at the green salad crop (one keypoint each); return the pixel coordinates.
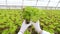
(32, 13)
(49, 19)
(11, 19)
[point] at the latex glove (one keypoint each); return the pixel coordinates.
(24, 27)
(37, 26)
(45, 32)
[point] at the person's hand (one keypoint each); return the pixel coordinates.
(24, 26)
(45, 32)
(36, 26)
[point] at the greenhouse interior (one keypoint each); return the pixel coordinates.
(29, 17)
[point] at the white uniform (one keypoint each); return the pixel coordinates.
(20, 33)
(43, 32)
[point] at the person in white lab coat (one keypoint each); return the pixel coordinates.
(36, 26)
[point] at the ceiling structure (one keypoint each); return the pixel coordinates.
(38, 3)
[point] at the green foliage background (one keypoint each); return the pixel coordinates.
(11, 20)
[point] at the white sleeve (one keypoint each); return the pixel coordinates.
(45, 32)
(20, 33)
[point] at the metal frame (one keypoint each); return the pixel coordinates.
(46, 7)
(57, 4)
(47, 4)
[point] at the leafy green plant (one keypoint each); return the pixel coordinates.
(11, 19)
(31, 13)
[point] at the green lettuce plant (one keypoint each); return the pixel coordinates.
(11, 19)
(31, 13)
